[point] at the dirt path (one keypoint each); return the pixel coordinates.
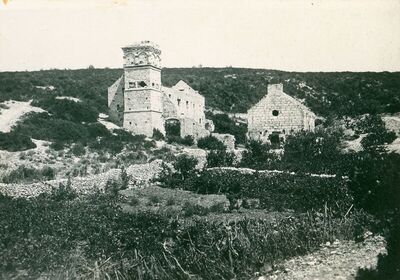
(337, 261)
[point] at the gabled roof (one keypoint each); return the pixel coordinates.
(291, 99)
(182, 86)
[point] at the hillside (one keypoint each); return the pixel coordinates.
(227, 89)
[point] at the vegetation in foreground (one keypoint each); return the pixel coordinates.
(62, 236)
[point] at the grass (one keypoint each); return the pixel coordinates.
(159, 200)
(91, 237)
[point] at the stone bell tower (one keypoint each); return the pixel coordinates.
(142, 88)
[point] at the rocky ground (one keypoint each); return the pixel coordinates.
(336, 261)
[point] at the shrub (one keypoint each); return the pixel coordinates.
(218, 158)
(68, 109)
(57, 145)
(48, 173)
(275, 191)
(78, 149)
(258, 155)
(210, 143)
(134, 201)
(28, 174)
(187, 140)
(154, 199)
(157, 135)
(63, 192)
(374, 183)
(144, 246)
(185, 164)
(14, 141)
(97, 130)
(318, 151)
(113, 186)
(224, 124)
(45, 127)
(170, 201)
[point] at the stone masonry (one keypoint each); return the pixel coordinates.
(138, 102)
(278, 114)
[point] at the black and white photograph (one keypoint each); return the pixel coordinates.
(200, 139)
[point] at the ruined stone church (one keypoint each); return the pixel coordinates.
(276, 115)
(139, 102)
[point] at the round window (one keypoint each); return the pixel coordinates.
(275, 113)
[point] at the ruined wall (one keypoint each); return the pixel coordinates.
(169, 110)
(188, 108)
(143, 111)
(147, 74)
(116, 102)
(192, 128)
(228, 140)
(143, 122)
(280, 113)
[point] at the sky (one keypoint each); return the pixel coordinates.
(291, 35)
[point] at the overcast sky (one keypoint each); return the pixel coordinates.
(287, 35)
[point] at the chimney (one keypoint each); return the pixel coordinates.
(275, 88)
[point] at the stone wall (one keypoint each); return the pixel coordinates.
(116, 102)
(278, 113)
(140, 175)
(149, 75)
(227, 139)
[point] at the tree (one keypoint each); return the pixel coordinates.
(377, 134)
(184, 165)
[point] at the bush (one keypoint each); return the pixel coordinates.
(224, 124)
(68, 110)
(78, 149)
(25, 174)
(63, 192)
(318, 151)
(184, 165)
(219, 158)
(41, 235)
(14, 141)
(275, 191)
(97, 130)
(157, 135)
(187, 140)
(374, 183)
(258, 155)
(45, 127)
(210, 143)
(113, 186)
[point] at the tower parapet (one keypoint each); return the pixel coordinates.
(144, 53)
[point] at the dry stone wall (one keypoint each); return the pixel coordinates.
(140, 175)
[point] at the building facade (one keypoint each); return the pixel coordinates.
(276, 115)
(138, 102)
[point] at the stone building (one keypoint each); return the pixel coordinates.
(139, 102)
(276, 115)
